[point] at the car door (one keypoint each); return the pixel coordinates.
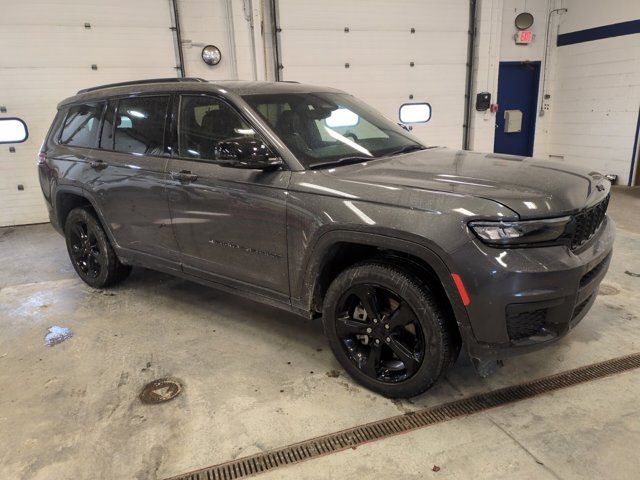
(230, 223)
(130, 179)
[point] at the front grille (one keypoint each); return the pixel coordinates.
(525, 324)
(587, 222)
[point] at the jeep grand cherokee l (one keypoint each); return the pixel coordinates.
(406, 251)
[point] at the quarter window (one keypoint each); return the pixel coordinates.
(206, 121)
(139, 125)
(82, 125)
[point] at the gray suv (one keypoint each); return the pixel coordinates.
(307, 199)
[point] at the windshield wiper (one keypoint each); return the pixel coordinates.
(407, 149)
(340, 162)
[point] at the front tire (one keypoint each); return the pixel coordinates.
(90, 251)
(387, 330)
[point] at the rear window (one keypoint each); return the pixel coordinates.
(82, 125)
(139, 125)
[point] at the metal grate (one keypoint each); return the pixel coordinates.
(353, 437)
(587, 223)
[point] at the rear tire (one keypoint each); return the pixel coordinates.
(90, 251)
(387, 330)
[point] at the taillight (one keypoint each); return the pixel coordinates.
(42, 158)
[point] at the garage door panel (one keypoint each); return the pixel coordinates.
(74, 46)
(446, 78)
(319, 48)
(95, 12)
(428, 15)
(379, 48)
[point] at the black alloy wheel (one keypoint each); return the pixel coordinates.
(388, 330)
(380, 333)
(85, 251)
(90, 251)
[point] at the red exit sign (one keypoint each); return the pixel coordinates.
(524, 37)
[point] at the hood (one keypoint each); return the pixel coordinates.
(531, 187)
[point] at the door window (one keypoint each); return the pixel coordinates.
(82, 125)
(206, 121)
(139, 125)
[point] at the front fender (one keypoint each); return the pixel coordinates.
(304, 287)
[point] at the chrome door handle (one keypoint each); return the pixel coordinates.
(98, 164)
(183, 176)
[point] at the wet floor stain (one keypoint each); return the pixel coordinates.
(57, 335)
(333, 374)
(606, 289)
(632, 274)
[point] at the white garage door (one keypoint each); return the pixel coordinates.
(379, 48)
(47, 54)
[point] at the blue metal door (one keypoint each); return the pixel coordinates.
(517, 100)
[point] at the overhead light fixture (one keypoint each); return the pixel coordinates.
(211, 55)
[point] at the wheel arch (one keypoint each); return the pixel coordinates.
(337, 250)
(68, 197)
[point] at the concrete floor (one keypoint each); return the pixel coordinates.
(256, 378)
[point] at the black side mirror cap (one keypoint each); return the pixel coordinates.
(247, 153)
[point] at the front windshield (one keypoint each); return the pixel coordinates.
(326, 128)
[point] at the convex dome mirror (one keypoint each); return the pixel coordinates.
(524, 21)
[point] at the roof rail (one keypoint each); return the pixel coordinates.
(143, 82)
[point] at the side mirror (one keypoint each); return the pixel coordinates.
(249, 153)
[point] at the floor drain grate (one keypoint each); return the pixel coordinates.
(353, 437)
(160, 391)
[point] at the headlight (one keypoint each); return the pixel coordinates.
(520, 233)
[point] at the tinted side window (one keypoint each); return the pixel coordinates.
(82, 125)
(139, 125)
(205, 121)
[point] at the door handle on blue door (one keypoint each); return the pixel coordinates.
(183, 176)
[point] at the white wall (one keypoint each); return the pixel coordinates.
(485, 71)
(205, 22)
(495, 43)
(595, 90)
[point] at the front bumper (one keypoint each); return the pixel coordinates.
(524, 298)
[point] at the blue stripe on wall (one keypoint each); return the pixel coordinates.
(598, 33)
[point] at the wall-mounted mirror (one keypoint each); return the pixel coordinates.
(524, 21)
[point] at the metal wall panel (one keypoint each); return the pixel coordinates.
(379, 48)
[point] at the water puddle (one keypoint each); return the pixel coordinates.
(57, 335)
